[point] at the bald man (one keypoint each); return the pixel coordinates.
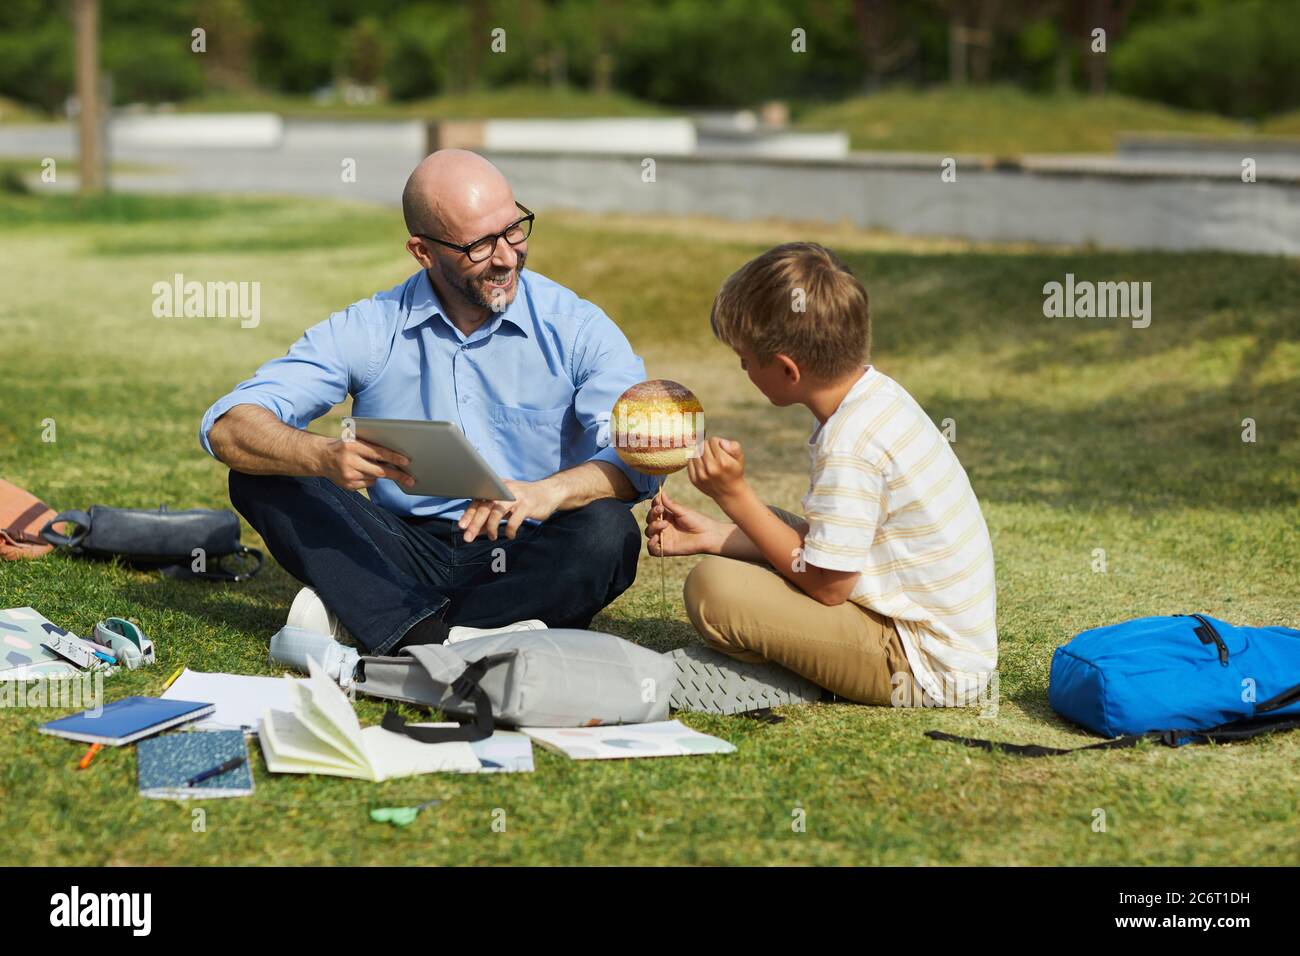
(524, 367)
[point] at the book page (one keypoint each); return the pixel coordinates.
(393, 755)
(325, 711)
(290, 739)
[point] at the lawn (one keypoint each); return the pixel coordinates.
(1006, 121)
(1077, 434)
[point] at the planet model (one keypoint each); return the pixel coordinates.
(657, 426)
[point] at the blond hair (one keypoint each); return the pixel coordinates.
(800, 300)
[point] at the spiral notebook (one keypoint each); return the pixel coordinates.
(166, 763)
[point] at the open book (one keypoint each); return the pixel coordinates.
(322, 735)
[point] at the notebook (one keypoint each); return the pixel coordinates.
(127, 720)
(666, 738)
(321, 734)
(165, 763)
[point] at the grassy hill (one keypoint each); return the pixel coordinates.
(1003, 121)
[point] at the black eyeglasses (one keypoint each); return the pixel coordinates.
(480, 249)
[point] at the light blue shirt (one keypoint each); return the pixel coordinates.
(532, 389)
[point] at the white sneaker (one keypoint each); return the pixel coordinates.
(309, 612)
(461, 632)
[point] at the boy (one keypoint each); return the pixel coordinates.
(883, 593)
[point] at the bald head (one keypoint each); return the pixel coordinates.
(452, 193)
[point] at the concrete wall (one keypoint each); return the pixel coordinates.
(196, 131)
(1053, 203)
(647, 136)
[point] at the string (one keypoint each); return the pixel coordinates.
(663, 581)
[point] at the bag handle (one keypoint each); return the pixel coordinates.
(77, 517)
(466, 688)
(183, 572)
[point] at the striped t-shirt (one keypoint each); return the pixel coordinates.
(888, 498)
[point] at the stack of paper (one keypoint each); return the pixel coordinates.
(321, 734)
(240, 699)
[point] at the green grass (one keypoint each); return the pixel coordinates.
(1077, 435)
(1284, 124)
(1003, 121)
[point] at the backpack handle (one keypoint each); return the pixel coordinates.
(466, 688)
(77, 517)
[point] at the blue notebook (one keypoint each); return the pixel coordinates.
(165, 764)
(126, 720)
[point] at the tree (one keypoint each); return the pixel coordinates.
(878, 22)
(1079, 20)
(90, 138)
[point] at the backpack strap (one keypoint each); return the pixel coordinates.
(466, 688)
(1224, 733)
(1278, 701)
(1037, 750)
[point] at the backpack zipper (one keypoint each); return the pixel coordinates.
(1206, 632)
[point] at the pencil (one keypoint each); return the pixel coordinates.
(89, 756)
(171, 680)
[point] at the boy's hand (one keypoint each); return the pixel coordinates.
(673, 529)
(719, 471)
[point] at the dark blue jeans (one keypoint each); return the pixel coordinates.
(381, 574)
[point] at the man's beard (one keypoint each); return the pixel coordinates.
(474, 289)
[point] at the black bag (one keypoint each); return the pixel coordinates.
(157, 539)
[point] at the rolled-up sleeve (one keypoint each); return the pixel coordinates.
(331, 360)
(604, 368)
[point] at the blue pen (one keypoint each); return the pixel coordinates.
(105, 657)
(215, 771)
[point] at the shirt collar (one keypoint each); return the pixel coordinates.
(425, 304)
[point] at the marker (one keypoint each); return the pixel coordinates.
(217, 771)
(89, 756)
(171, 680)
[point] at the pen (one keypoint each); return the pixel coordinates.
(171, 680)
(84, 762)
(217, 771)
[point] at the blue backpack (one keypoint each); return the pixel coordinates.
(1186, 678)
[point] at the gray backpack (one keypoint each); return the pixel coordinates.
(553, 678)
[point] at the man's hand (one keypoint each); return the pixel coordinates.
(719, 471)
(357, 464)
(675, 530)
(533, 499)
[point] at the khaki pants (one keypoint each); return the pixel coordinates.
(753, 614)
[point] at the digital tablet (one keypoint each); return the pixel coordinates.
(443, 463)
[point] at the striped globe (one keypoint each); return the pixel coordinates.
(656, 426)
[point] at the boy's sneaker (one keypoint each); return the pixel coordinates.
(709, 681)
(309, 612)
(462, 632)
